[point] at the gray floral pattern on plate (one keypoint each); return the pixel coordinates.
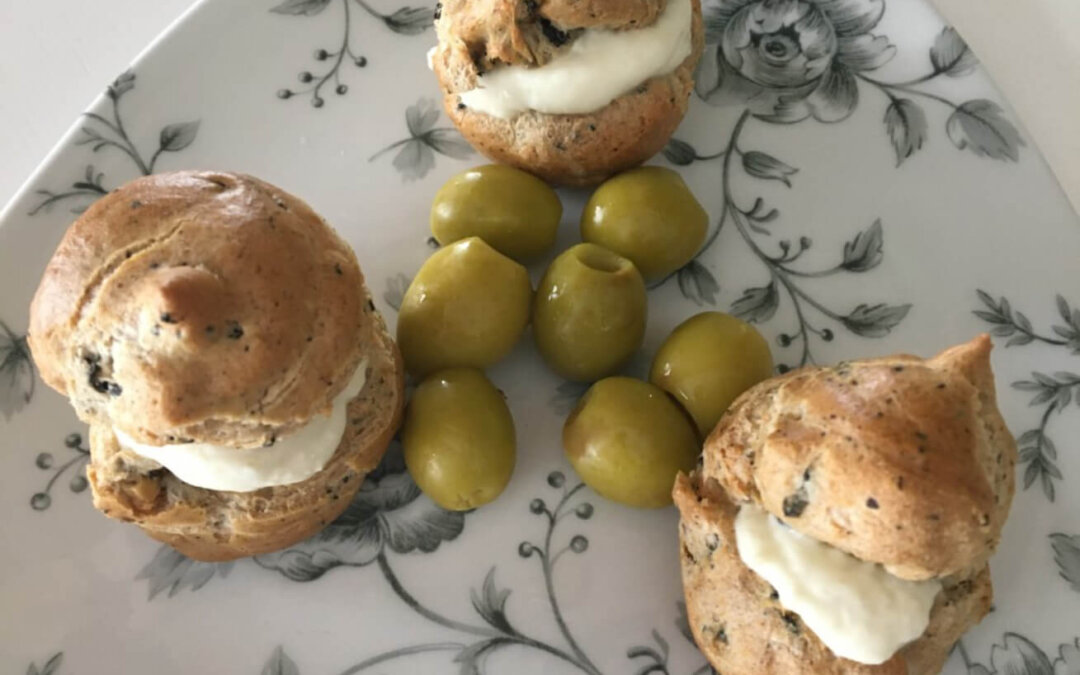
(50, 667)
(416, 153)
(783, 63)
(390, 517)
(17, 379)
(100, 133)
(404, 21)
(1053, 393)
(46, 461)
(1017, 655)
(807, 70)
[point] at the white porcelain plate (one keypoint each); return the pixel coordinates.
(876, 196)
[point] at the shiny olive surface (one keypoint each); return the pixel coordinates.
(514, 211)
(648, 215)
(627, 440)
(458, 439)
(467, 306)
(707, 361)
(589, 314)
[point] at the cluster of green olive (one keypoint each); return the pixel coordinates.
(470, 304)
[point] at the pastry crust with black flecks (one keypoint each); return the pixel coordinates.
(742, 627)
(213, 307)
(583, 149)
(898, 460)
(199, 306)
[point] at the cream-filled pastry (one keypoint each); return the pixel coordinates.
(841, 519)
(218, 338)
(570, 90)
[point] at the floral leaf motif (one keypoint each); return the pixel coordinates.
(757, 304)
(951, 55)
(421, 117)
(1018, 655)
(836, 97)
(172, 571)
(875, 320)
(395, 290)
(280, 664)
(50, 666)
(567, 395)
(301, 7)
(1068, 661)
(414, 160)
(491, 604)
(388, 511)
(906, 125)
(864, 252)
(679, 153)
(697, 283)
(122, 84)
(448, 142)
(176, 137)
(851, 17)
(472, 657)
(767, 167)
(1067, 557)
(16, 372)
(980, 126)
(1071, 330)
(864, 52)
(410, 20)
(419, 524)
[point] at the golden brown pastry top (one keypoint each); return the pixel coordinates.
(898, 460)
(529, 32)
(199, 306)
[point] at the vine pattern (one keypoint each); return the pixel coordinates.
(1018, 655)
(46, 461)
(101, 132)
(826, 89)
(404, 21)
(17, 379)
(416, 152)
(389, 516)
(1052, 392)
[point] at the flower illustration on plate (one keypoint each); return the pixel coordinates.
(1017, 655)
(16, 372)
(791, 59)
(387, 512)
(416, 154)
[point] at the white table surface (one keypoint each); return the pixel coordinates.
(56, 55)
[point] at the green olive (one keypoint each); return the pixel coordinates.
(589, 314)
(707, 361)
(458, 439)
(649, 216)
(467, 306)
(515, 212)
(627, 440)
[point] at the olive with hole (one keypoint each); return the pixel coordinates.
(707, 361)
(458, 439)
(627, 440)
(589, 314)
(514, 211)
(467, 306)
(648, 215)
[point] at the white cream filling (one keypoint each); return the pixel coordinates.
(290, 459)
(860, 611)
(600, 66)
